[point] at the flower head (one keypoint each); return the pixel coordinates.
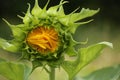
(43, 39)
(46, 34)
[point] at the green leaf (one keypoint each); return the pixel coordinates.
(85, 56)
(2, 60)
(14, 71)
(7, 46)
(109, 73)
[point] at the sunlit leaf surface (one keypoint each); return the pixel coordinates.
(109, 73)
(14, 71)
(85, 56)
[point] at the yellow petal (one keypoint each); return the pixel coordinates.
(43, 39)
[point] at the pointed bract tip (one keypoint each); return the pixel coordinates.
(28, 7)
(6, 22)
(36, 9)
(20, 16)
(46, 5)
(107, 43)
(28, 15)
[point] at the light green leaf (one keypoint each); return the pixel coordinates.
(109, 73)
(85, 56)
(14, 71)
(8, 46)
(2, 60)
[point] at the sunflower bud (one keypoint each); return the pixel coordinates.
(46, 34)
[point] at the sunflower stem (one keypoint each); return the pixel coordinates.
(52, 73)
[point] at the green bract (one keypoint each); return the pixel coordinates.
(64, 25)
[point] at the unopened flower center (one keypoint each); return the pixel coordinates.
(43, 39)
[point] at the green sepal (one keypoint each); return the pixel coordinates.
(36, 9)
(53, 10)
(37, 63)
(17, 32)
(38, 12)
(28, 17)
(71, 19)
(14, 71)
(84, 13)
(57, 10)
(65, 20)
(61, 9)
(56, 63)
(4, 44)
(70, 49)
(84, 57)
(76, 25)
(30, 20)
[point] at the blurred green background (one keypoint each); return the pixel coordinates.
(105, 27)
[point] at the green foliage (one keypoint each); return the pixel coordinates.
(109, 73)
(14, 71)
(4, 44)
(85, 56)
(65, 25)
